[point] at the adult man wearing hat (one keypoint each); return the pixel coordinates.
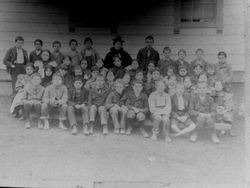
(117, 50)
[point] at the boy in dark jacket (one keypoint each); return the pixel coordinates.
(115, 105)
(35, 55)
(96, 102)
(147, 54)
(137, 104)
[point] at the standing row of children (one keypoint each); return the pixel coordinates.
(182, 96)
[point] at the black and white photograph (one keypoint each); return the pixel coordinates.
(124, 94)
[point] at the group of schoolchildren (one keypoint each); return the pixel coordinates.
(182, 97)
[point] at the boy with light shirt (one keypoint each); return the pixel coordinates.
(55, 99)
(160, 107)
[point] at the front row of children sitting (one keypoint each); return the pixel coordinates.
(181, 112)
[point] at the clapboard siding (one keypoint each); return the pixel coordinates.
(231, 40)
(17, 17)
(37, 20)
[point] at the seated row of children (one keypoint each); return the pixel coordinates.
(182, 98)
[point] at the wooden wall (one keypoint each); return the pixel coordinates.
(33, 19)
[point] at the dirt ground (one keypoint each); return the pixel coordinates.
(55, 158)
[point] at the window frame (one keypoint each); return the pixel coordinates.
(218, 18)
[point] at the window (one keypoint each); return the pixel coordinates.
(199, 13)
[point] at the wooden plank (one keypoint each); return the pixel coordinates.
(145, 30)
(233, 2)
(233, 9)
(228, 29)
(233, 30)
(151, 20)
(49, 37)
(234, 19)
(33, 27)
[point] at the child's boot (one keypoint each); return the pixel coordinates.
(116, 131)
(105, 129)
(232, 134)
(144, 133)
(129, 130)
(74, 130)
(215, 138)
(27, 125)
(122, 131)
(194, 137)
(46, 124)
(20, 112)
(40, 125)
(168, 139)
(62, 126)
(154, 137)
(86, 130)
(91, 128)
